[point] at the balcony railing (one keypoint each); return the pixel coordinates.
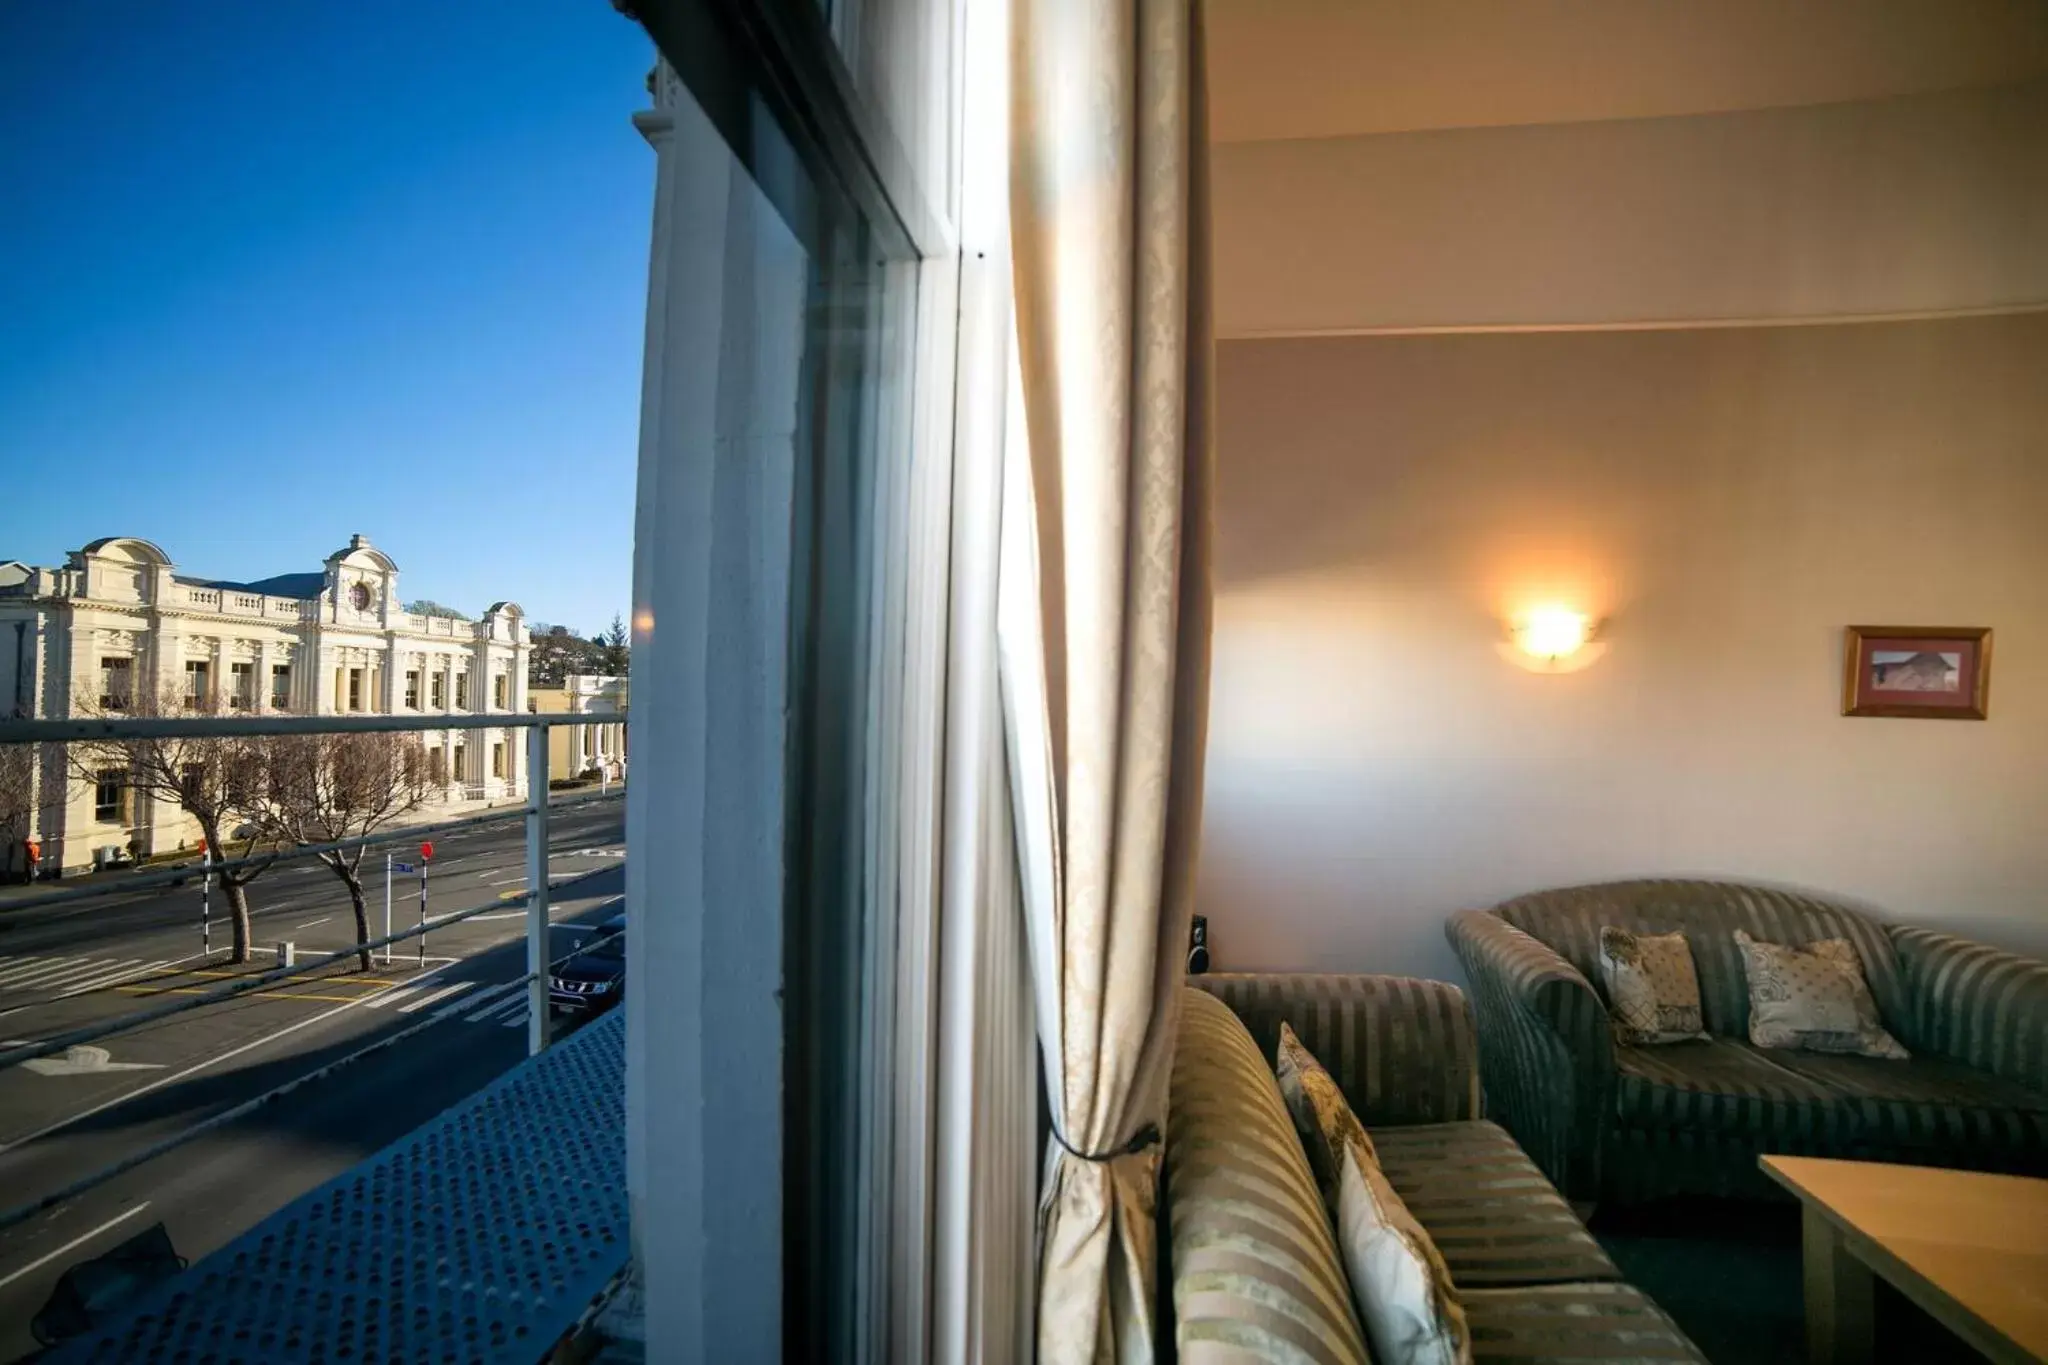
(522, 1185)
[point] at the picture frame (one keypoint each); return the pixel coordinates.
(1923, 672)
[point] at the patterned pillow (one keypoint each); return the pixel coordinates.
(1812, 997)
(1651, 987)
(1399, 1280)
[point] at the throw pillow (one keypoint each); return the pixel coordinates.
(1399, 1280)
(1812, 997)
(1651, 987)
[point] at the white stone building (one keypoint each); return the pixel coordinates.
(117, 622)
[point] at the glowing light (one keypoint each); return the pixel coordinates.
(1552, 633)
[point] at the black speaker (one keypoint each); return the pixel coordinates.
(1198, 946)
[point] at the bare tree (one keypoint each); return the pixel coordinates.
(218, 780)
(17, 803)
(325, 789)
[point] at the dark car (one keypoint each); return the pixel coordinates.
(595, 978)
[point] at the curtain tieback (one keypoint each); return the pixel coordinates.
(1145, 1137)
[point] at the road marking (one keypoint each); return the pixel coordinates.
(71, 1245)
(498, 876)
(101, 982)
(441, 994)
(84, 1060)
(253, 995)
(71, 976)
(379, 999)
(195, 1068)
(17, 976)
(311, 922)
(494, 1006)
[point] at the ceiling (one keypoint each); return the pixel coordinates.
(1346, 68)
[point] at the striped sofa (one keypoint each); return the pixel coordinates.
(1627, 1123)
(1251, 1257)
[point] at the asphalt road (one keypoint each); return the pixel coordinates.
(63, 1118)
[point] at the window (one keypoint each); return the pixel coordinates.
(440, 691)
(191, 783)
(110, 787)
(498, 759)
(241, 686)
(280, 687)
(461, 762)
(412, 689)
(437, 765)
(116, 684)
(355, 689)
(461, 694)
(197, 691)
(500, 692)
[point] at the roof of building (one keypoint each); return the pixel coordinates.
(305, 586)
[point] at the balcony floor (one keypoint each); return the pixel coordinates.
(480, 1237)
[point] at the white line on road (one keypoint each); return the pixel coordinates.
(441, 994)
(84, 970)
(22, 976)
(196, 1067)
(102, 982)
(383, 998)
(71, 1245)
(311, 922)
(492, 1008)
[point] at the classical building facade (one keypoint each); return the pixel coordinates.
(117, 622)
(576, 750)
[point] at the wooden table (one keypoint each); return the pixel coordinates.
(1970, 1249)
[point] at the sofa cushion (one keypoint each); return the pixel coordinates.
(1652, 989)
(1488, 1208)
(1569, 919)
(1256, 1273)
(1609, 1323)
(1812, 997)
(1933, 1106)
(1725, 1086)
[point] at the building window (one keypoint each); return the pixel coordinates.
(110, 788)
(355, 689)
(412, 689)
(462, 763)
(501, 693)
(197, 692)
(280, 687)
(440, 691)
(116, 684)
(461, 694)
(437, 765)
(498, 759)
(241, 686)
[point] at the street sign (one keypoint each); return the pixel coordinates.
(401, 867)
(427, 851)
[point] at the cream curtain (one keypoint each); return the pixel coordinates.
(1103, 614)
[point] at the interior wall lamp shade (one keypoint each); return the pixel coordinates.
(1552, 640)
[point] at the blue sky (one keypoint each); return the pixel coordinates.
(273, 274)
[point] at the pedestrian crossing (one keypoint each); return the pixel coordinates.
(501, 1003)
(58, 977)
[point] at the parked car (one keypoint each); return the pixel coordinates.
(595, 978)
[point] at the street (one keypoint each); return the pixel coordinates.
(65, 1116)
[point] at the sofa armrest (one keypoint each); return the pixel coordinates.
(1546, 1050)
(1402, 1048)
(1977, 1004)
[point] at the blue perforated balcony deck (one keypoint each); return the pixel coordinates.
(477, 1239)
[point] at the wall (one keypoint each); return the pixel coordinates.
(1916, 204)
(1729, 500)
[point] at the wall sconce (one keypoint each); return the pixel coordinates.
(1552, 640)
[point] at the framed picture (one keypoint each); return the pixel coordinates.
(1943, 672)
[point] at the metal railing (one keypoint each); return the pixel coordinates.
(538, 811)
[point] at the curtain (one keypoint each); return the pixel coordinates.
(1104, 613)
